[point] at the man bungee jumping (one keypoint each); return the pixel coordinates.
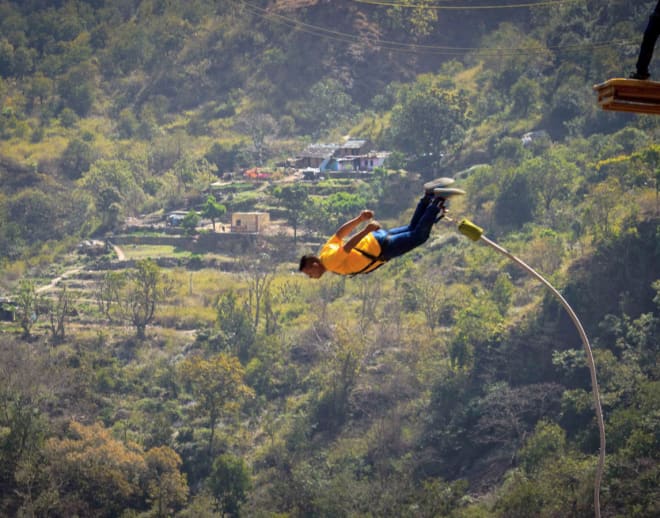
(373, 246)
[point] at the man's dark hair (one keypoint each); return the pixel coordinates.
(307, 259)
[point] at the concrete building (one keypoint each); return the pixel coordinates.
(250, 222)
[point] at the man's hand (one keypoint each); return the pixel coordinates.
(374, 225)
(348, 227)
(366, 215)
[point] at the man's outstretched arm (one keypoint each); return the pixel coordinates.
(348, 227)
(352, 242)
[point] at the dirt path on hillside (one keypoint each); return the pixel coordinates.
(120, 253)
(53, 283)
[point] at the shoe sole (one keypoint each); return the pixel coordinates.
(438, 182)
(447, 192)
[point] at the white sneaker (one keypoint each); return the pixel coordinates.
(438, 182)
(447, 192)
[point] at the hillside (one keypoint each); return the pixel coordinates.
(152, 368)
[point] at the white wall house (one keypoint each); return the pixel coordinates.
(253, 222)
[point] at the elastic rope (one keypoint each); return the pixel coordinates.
(475, 233)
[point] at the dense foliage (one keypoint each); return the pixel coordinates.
(447, 383)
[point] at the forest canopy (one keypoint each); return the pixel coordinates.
(156, 361)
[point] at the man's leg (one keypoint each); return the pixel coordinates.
(396, 244)
(419, 211)
(648, 45)
(429, 187)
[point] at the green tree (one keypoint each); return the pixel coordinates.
(27, 382)
(428, 122)
(24, 61)
(58, 310)
(68, 118)
(258, 274)
(217, 386)
(146, 289)
(127, 124)
(128, 48)
(521, 496)
(77, 89)
(234, 326)
(108, 294)
(515, 203)
(213, 210)
(295, 200)
(441, 498)
(6, 58)
(412, 18)
(133, 295)
(77, 158)
(229, 482)
(526, 96)
(344, 357)
(190, 222)
(27, 306)
(329, 213)
(287, 126)
(651, 160)
(502, 292)
(201, 505)
(431, 301)
(269, 372)
(546, 444)
(508, 68)
(602, 213)
(36, 215)
(260, 126)
(550, 177)
(191, 172)
(40, 89)
(167, 488)
(328, 105)
(115, 189)
(94, 473)
(225, 158)
(564, 487)
(475, 324)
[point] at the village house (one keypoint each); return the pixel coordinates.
(354, 155)
(315, 156)
(360, 163)
(175, 218)
(373, 159)
(250, 222)
(352, 147)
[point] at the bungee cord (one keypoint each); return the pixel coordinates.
(476, 233)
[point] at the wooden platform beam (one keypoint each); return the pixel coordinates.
(629, 95)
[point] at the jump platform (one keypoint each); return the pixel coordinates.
(629, 95)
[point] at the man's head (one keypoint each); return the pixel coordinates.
(311, 266)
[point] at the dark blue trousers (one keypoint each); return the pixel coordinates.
(648, 42)
(399, 240)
